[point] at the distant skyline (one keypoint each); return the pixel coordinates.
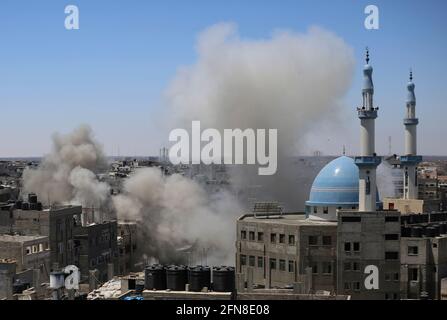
(112, 72)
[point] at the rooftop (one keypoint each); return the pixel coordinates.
(20, 238)
(296, 218)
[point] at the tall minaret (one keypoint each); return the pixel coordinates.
(410, 160)
(368, 160)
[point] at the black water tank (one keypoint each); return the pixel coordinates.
(32, 198)
(430, 232)
(25, 206)
(416, 232)
(223, 279)
(443, 228)
(32, 206)
(199, 277)
(405, 231)
(437, 230)
(155, 277)
(176, 278)
(39, 206)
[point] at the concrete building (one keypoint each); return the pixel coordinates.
(286, 249)
(57, 223)
(127, 247)
(29, 252)
(423, 255)
(368, 239)
(96, 249)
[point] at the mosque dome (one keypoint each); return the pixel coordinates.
(337, 184)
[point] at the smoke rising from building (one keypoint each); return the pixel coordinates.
(67, 173)
(175, 213)
(291, 82)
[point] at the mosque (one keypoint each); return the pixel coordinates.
(348, 235)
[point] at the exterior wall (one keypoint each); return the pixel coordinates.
(56, 223)
(429, 265)
(365, 232)
(284, 263)
(405, 206)
(96, 247)
(127, 246)
(31, 254)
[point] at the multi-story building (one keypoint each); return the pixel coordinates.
(368, 239)
(127, 247)
(95, 247)
(280, 248)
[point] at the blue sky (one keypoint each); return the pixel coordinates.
(111, 73)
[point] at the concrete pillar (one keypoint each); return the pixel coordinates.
(110, 271)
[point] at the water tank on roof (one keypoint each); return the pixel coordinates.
(155, 277)
(32, 198)
(176, 278)
(416, 232)
(199, 277)
(25, 206)
(223, 279)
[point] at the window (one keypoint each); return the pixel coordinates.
(314, 267)
(260, 236)
(243, 260)
(291, 266)
(272, 263)
(387, 276)
(391, 255)
(28, 250)
(396, 276)
(282, 238)
(391, 219)
(315, 210)
(325, 210)
(243, 234)
(327, 240)
(413, 274)
(35, 248)
(273, 237)
(260, 262)
(356, 286)
(392, 236)
(351, 219)
(356, 246)
(251, 261)
(313, 240)
(327, 267)
(251, 236)
(347, 266)
(292, 240)
(347, 246)
(356, 266)
(412, 250)
(282, 265)
(347, 286)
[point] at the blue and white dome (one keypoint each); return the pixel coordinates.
(336, 186)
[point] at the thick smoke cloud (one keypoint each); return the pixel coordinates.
(292, 82)
(176, 212)
(67, 174)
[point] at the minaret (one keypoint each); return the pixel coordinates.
(368, 160)
(410, 160)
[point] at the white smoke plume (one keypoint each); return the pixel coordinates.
(176, 212)
(293, 82)
(67, 173)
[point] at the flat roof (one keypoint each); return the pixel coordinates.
(20, 238)
(288, 219)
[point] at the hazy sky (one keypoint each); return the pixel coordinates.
(112, 72)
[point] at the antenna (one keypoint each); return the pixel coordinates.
(389, 144)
